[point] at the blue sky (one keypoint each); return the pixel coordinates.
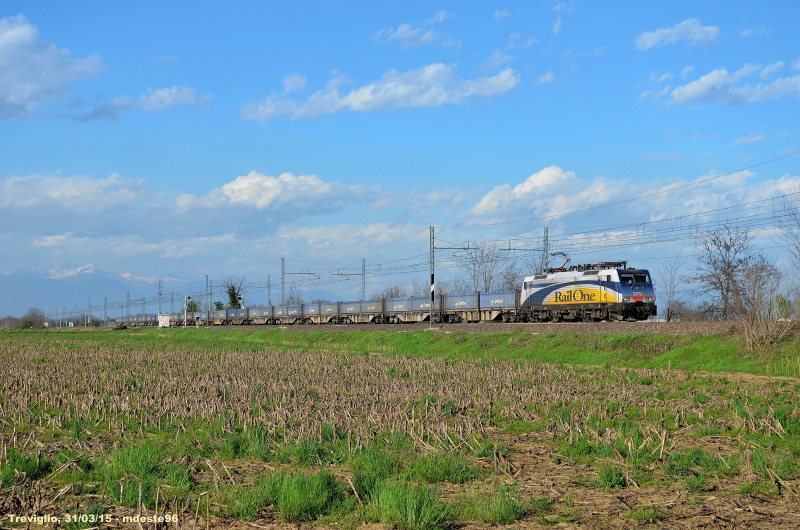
(185, 139)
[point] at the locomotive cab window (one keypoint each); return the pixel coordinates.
(630, 278)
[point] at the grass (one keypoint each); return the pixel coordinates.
(409, 438)
(717, 353)
(409, 507)
(504, 506)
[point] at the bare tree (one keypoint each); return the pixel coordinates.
(395, 290)
(233, 290)
(724, 256)
(791, 232)
(295, 295)
(757, 306)
(669, 284)
(454, 285)
(420, 288)
(485, 264)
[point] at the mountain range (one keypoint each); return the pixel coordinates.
(73, 288)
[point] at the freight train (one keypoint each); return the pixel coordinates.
(608, 291)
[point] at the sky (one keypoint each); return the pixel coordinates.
(187, 138)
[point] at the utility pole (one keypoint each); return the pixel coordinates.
(363, 278)
(544, 262)
(143, 311)
(105, 311)
(269, 291)
(159, 296)
(430, 313)
(283, 284)
(128, 305)
(171, 303)
(208, 302)
(88, 311)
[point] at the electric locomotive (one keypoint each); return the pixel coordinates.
(591, 292)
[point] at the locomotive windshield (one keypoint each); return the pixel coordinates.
(634, 278)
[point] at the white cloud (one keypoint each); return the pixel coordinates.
(407, 35)
(719, 86)
(749, 139)
(440, 16)
(557, 26)
(33, 71)
(686, 71)
(431, 86)
(689, 31)
(519, 40)
(152, 100)
(771, 69)
(796, 64)
(79, 194)
(303, 194)
(166, 58)
(549, 77)
(497, 59)
(501, 14)
(666, 77)
(293, 83)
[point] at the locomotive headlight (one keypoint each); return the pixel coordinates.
(626, 298)
(648, 299)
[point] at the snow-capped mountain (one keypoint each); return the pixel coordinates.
(21, 289)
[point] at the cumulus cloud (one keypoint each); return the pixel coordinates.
(431, 86)
(720, 86)
(303, 194)
(749, 139)
(689, 31)
(547, 192)
(33, 71)
(152, 100)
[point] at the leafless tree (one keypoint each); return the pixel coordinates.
(454, 285)
(420, 288)
(725, 254)
(234, 287)
(511, 276)
(670, 282)
(295, 296)
(394, 290)
(791, 231)
(757, 306)
(486, 265)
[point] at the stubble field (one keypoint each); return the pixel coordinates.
(239, 432)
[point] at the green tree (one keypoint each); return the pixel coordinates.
(192, 307)
(219, 306)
